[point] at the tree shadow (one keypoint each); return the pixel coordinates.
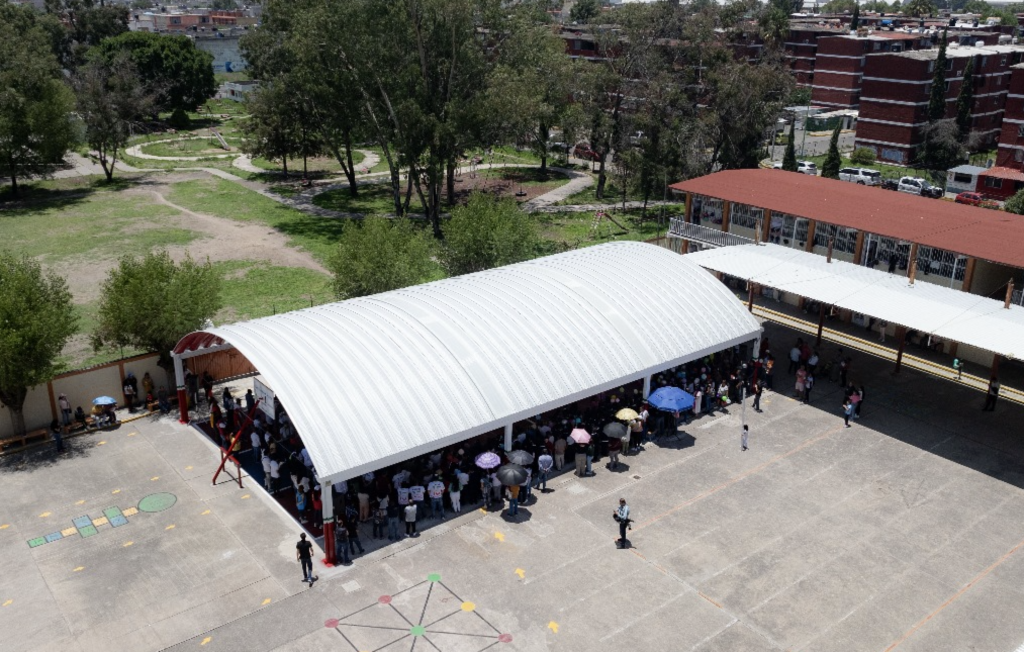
(45, 455)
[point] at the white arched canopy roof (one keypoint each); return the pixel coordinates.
(376, 380)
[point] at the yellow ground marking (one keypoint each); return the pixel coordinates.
(521, 573)
(205, 513)
(80, 568)
(100, 521)
(246, 497)
(553, 626)
(132, 434)
(100, 443)
(206, 640)
(266, 602)
(127, 543)
(170, 527)
(44, 514)
(499, 536)
(5, 526)
(154, 478)
(8, 603)
(483, 509)
(188, 468)
(66, 532)
(131, 511)
(81, 502)
(116, 491)
(468, 606)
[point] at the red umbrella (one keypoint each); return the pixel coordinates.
(580, 436)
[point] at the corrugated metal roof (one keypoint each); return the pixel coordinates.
(926, 307)
(980, 232)
(376, 380)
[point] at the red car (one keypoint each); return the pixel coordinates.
(975, 199)
(584, 152)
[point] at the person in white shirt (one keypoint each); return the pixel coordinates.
(410, 519)
(455, 490)
(403, 496)
(266, 472)
(275, 475)
(435, 489)
(418, 493)
(544, 464)
(621, 516)
(306, 460)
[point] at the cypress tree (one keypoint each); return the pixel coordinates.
(937, 99)
(830, 168)
(855, 20)
(965, 101)
(789, 158)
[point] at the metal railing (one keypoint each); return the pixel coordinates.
(679, 228)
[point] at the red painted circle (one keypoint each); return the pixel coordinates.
(331, 623)
(505, 638)
(384, 599)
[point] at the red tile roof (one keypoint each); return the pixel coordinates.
(980, 232)
(1003, 173)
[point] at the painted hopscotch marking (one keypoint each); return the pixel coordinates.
(86, 526)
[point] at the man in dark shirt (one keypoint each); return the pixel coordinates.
(304, 555)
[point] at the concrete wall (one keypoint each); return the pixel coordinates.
(227, 57)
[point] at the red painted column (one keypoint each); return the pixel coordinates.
(182, 405)
(330, 556)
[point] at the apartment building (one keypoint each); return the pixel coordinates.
(840, 60)
(1011, 139)
(896, 86)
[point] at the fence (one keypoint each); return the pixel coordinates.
(704, 235)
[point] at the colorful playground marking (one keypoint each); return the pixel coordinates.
(86, 526)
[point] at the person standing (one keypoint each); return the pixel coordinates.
(418, 494)
(544, 464)
(147, 384)
(744, 437)
(758, 390)
(847, 411)
(844, 370)
(794, 357)
(992, 395)
(808, 385)
(341, 544)
(129, 396)
(621, 515)
(513, 502)
(352, 525)
(65, 409)
(581, 462)
(560, 453)
(958, 367)
(855, 400)
(410, 519)
(250, 401)
(801, 382)
(55, 432)
(435, 489)
(645, 415)
(614, 449)
(304, 555)
(860, 401)
(380, 518)
(589, 452)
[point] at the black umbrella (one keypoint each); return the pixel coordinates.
(520, 457)
(511, 474)
(615, 430)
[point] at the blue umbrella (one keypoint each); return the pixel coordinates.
(671, 399)
(104, 400)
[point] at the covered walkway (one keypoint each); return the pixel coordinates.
(930, 309)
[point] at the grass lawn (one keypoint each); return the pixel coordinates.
(192, 147)
(90, 225)
(559, 231)
(232, 201)
(373, 198)
(254, 289)
(888, 171)
(221, 77)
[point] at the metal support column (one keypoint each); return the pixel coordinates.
(647, 386)
(179, 381)
(821, 324)
(508, 437)
(327, 498)
(899, 349)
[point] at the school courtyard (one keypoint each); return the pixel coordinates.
(903, 532)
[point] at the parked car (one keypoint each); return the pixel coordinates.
(861, 176)
(975, 199)
(889, 184)
(803, 167)
(584, 152)
(918, 186)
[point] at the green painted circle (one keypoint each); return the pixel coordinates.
(418, 630)
(434, 577)
(157, 502)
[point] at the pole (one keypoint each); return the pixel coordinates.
(995, 366)
(750, 297)
(238, 435)
(327, 499)
(821, 323)
(899, 350)
(508, 437)
(647, 386)
(1009, 295)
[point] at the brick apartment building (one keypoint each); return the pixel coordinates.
(840, 61)
(895, 89)
(1011, 139)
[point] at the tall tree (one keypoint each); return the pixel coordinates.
(36, 129)
(487, 232)
(965, 101)
(37, 318)
(378, 255)
(85, 24)
(112, 102)
(917, 8)
(789, 158)
(151, 302)
(773, 23)
(179, 72)
(830, 167)
(583, 11)
(941, 149)
(937, 94)
(855, 19)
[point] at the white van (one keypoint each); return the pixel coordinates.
(862, 176)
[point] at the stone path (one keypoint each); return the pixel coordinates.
(84, 166)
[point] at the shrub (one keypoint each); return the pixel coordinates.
(179, 119)
(863, 156)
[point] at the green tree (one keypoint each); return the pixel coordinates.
(112, 101)
(1015, 204)
(84, 24)
(583, 11)
(151, 302)
(937, 95)
(378, 255)
(180, 73)
(917, 8)
(37, 318)
(863, 156)
(840, 7)
(36, 129)
(941, 149)
(830, 167)
(224, 5)
(855, 19)
(965, 101)
(487, 232)
(773, 23)
(789, 158)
